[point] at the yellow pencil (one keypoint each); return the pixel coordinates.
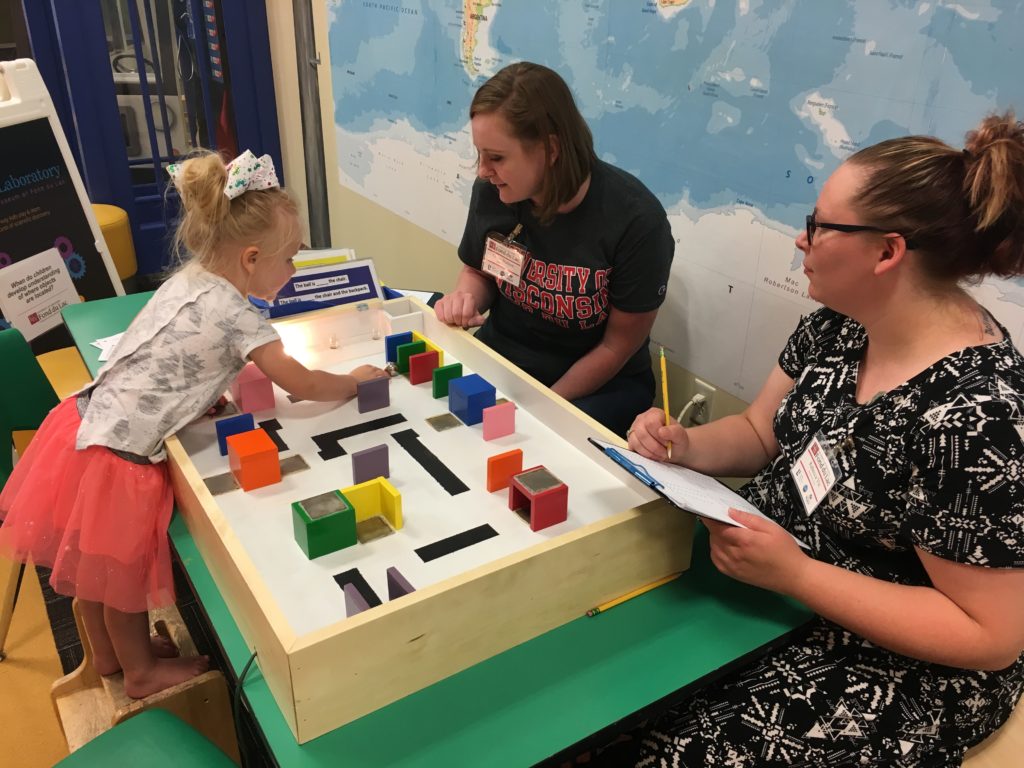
(630, 595)
(664, 396)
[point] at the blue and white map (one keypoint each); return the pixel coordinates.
(733, 112)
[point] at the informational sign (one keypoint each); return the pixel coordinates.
(326, 285)
(43, 204)
(33, 292)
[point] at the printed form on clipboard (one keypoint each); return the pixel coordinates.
(687, 489)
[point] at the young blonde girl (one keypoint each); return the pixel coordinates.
(91, 498)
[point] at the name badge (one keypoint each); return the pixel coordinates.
(504, 258)
(814, 474)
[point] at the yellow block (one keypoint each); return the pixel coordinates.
(431, 346)
(376, 497)
(117, 232)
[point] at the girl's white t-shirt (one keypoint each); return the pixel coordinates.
(175, 360)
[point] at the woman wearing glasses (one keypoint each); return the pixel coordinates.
(890, 439)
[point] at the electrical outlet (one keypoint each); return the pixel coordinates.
(701, 414)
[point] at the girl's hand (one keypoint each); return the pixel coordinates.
(368, 372)
(762, 553)
(218, 407)
(650, 437)
(458, 309)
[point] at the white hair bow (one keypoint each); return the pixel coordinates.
(245, 172)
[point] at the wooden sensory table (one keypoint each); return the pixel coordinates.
(326, 669)
(535, 700)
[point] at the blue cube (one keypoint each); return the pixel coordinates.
(393, 342)
(468, 396)
(232, 425)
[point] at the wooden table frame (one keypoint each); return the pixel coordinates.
(530, 702)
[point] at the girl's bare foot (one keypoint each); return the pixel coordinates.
(96, 639)
(164, 673)
(163, 648)
(105, 665)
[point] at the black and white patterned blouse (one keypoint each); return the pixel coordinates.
(936, 463)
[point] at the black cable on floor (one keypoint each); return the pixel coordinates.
(237, 711)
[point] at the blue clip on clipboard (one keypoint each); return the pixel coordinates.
(681, 491)
(632, 467)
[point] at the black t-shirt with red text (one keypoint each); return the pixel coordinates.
(613, 250)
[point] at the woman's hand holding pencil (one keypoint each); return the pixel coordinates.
(650, 437)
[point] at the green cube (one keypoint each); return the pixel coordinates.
(324, 523)
(404, 351)
(443, 375)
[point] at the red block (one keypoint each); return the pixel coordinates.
(539, 497)
(421, 366)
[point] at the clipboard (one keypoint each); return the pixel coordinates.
(684, 488)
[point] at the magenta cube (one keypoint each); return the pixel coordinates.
(252, 390)
(499, 420)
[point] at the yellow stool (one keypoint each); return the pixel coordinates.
(117, 232)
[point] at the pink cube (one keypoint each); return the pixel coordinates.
(499, 420)
(252, 390)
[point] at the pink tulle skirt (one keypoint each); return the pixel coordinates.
(99, 521)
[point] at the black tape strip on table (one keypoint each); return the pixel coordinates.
(356, 579)
(272, 427)
(455, 543)
(447, 479)
(327, 442)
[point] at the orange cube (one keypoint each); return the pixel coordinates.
(254, 459)
(501, 467)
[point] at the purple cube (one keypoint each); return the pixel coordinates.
(370, 463)
(373, 394)
(398, 585)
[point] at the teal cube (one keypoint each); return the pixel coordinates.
(324, 523)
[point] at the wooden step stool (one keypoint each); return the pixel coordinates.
(88, 704)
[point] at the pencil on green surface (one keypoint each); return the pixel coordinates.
(630, 595)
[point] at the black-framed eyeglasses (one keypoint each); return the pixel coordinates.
(813, 225)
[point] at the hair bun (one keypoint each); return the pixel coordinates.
(201, 185)
(994, 183)
(993, 132)
(994, 187)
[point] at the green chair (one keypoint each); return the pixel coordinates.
(27, 398)
(153, 738)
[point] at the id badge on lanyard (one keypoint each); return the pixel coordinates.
(814, 473)
(504, 257)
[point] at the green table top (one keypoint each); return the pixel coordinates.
(530, 702)
(98, 319)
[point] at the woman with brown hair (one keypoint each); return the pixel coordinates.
(569, 254)
(890, 439)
